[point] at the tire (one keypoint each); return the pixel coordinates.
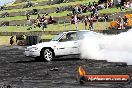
(47, 55)
(82, 80)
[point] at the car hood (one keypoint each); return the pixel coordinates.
(44, 44)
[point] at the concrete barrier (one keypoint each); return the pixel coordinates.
(39, 33)
(35, 33)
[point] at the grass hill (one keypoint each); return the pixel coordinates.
(13, 16)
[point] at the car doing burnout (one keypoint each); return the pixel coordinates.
(66, 43)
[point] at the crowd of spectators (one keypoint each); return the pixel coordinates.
(94, 7)
(128, 5)
(122, 22)
(76, 14)
(40, 21)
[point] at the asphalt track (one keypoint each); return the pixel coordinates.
(18, 71)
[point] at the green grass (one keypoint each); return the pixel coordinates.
(53, 27)
(4, 40)
(33, 1)
(61, 14)
(48, 6)
(112, 10)
(47, 36)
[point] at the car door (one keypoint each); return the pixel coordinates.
(68, 44)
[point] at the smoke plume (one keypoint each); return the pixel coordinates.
(113, 48)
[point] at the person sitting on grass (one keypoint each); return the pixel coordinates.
(37, 23)
(58, 10)
(51, 20)
(72, 19)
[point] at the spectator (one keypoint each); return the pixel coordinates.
(125, 19)
(120, 23)
(93, 10)
(101, 6)
(80, 17)
(11, 40)
(76, 9)
(42, 18)
(51, 20)
(89, 4)
(119, 6)
(91, 24)
(106, 17)
(76, 22)
(126, 5)
(37, 23)
(97, 16)
(85, 22)
(80, 10)
(73, 11)
(2, 8)
(58, 10)
(39, 17)
(84, 9)
(28, 19)
(72, 19)
(43, 24)
(94, 3)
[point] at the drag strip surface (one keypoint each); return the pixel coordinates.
(18, 71)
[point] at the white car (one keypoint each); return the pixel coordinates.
(66, 43)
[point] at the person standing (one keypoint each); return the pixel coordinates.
(28, 19)
(85, 22)
(11, 40)
(44, 24)
(76, 9)
(91, 24)
(76, 22)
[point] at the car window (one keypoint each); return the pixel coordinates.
(81, 34)
(57, 37)
(69, 37)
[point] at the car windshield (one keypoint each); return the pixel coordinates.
(57, 37)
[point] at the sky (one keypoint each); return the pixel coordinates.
(2, 2)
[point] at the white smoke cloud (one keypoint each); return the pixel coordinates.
(113, 48)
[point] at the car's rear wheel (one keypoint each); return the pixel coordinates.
(47, 54)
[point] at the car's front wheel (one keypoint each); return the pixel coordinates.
(47, 54)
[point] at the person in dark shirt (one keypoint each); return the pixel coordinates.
(51, 20)
(85, 22)
(91, 23)
(11, 40)
(125, 19)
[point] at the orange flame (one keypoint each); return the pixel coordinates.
(81, 71)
